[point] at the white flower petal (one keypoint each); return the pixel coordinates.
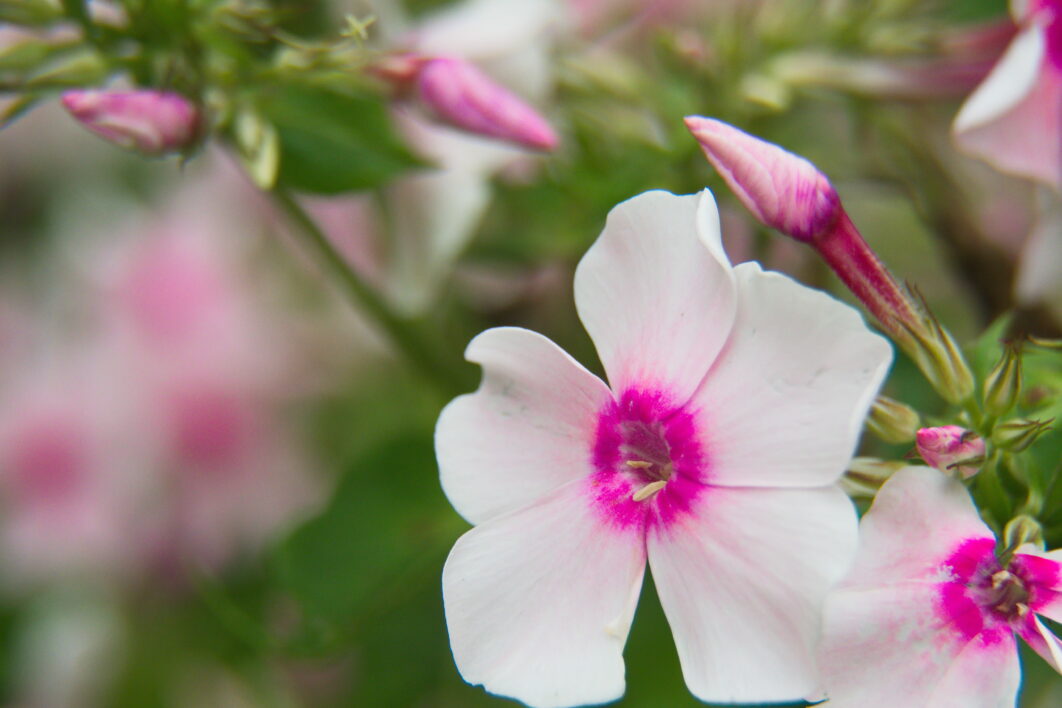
(539, 602)
(656, 292)
(1045, 643)
(1007, 84)
(919, 517)
(527, 430)
(1014, 119)
(885, 647)
(784, 403)
(742, 582)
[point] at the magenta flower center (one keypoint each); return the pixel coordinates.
(649, 465)
(984, 598)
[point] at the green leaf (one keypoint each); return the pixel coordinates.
(334, 141)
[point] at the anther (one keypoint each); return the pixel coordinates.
(1001, 577)
(639, 464)
(1022, 609)
(648, 490)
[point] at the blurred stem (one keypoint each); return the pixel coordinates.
(407, 338)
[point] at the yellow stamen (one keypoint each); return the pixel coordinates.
(639, 464)
(648, 490)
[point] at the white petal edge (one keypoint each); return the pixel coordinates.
(785, 401)
(742, 581)
(656, 292)
(527, 430)
(1007, 84)
(539, 602)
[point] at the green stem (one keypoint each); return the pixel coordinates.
(407, 339)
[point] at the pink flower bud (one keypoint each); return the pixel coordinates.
(151, 122)
(463, 96)
(947, 446)
(788, 193)
(784, 191)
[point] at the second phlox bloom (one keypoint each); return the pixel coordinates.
(928, 616)
(735, 400)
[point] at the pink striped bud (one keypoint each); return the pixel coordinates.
(788, 193)
(782, 190)
(151, 122)
(950, 447)
(465, 97)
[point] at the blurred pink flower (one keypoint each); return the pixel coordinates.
(734, 402)
(155, 422)
(465, 97)
(149, 121)
(928, 615)
(1014, 119)
(433, 213)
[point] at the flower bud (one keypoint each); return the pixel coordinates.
(1003, 383)
(939, 357)
(788, 193)
(151, 122)
(465, 97)
(892, 421)
(1018, 434)
(865, 475)
(1020, 531)
(782, 190)
(951, 447)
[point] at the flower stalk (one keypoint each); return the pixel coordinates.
(407, 338)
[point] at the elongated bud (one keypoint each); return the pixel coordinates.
(892, 421)
(950, 447)
(939, 357)
(865, 475)
(465, 97)
(1003, 383)
(782, 190)
(1018, 434)
(151, 122)
(788, 193)
(1020, 531)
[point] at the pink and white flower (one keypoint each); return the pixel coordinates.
(1014, 119)
(928, 615)
(736, 398)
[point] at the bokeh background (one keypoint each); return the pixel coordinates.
(217, 483)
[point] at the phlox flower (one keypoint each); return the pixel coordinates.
(736, 398)
(928, 615)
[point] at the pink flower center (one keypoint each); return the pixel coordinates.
(983, 598)
(648, 461)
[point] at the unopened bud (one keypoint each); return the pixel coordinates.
(892, 421)
(259, 147)
(865, 475)
(782, 190)
(1003, 383)
(788, 193)
(1018, 434)
(939, 357)
(462, 95)
(1020, 531)
(151, 122)
(950, 447)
